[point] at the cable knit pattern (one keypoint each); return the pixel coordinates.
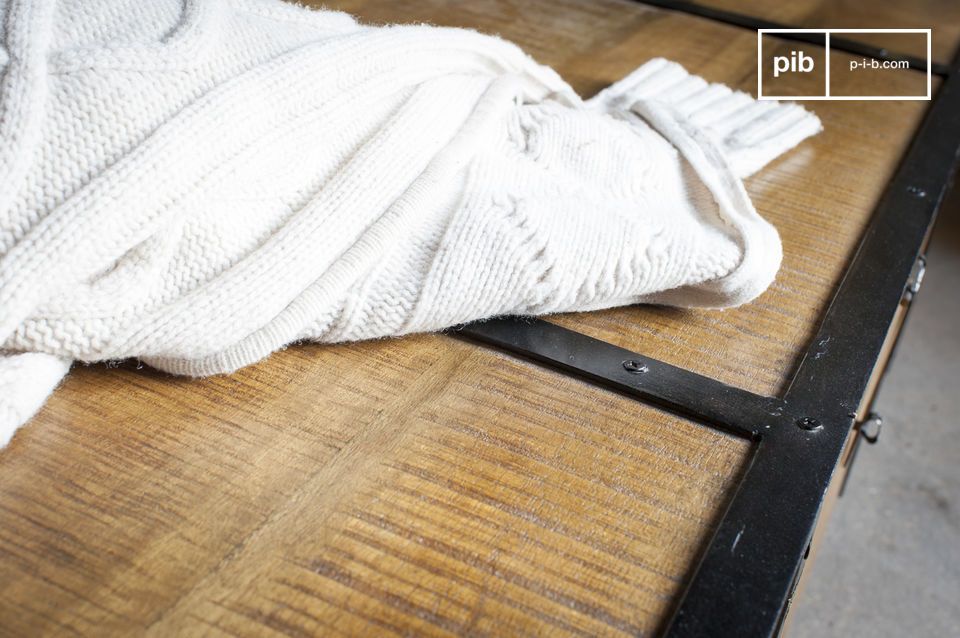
(197, 183)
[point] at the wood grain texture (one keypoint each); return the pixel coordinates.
(409, 486)
(942, 16)
(427, 485)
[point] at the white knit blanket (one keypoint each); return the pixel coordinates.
(197, 183)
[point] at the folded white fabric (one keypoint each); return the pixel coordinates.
(197, 183)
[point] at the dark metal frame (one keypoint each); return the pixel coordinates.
(745, 579)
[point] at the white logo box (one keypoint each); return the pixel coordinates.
(826, 95)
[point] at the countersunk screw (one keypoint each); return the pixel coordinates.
(809, 423)
(917, 191)
(635, 367)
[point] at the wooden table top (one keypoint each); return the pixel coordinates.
(430, 485)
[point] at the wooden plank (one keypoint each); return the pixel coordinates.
(420, 485)
(942, 16)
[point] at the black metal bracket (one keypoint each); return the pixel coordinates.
(754, 557)
(745, 579)
(683, 392)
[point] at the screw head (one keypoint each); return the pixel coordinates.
(809, 423)
(635, 367)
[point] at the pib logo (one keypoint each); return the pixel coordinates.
(804, 70)
(796, 62)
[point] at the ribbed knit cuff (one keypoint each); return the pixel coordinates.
(750, 133)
